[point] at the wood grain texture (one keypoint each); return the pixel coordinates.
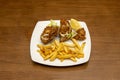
(17, 21)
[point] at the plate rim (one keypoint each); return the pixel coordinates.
(61, 62)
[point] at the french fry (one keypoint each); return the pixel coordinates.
(65, 56)
(76, 43)
(48, 56)
(47, 52)
(41, 53)
(56, 43)
(53, 56)
(61, 50)
(53, 48)
(61, 59)
(83, 45)
(73, 59)
(65, 48)
(55, 53)
(78, 51)
(79, 56)
(40, 46)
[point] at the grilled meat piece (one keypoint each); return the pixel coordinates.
(80, 34)
(49, 33)
(64, 31)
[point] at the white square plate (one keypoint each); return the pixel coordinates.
(35, 39)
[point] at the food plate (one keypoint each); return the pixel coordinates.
(35, 39)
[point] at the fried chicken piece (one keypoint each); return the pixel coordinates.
(65, 30)
(49, 33)
(80, 34)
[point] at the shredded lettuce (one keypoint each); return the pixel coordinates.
(72, 34)
(69, 35)
(52, 23)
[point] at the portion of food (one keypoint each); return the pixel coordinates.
(49, 33)
(80, 34)
(62, 50)
(78, 28)
(65, 30)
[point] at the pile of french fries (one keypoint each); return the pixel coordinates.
(62, 50)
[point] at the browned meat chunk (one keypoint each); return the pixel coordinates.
(65, 30)
(80, 34)
(49, 33)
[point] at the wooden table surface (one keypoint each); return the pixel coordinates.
(18, 19)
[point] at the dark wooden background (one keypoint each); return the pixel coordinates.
(17, 21)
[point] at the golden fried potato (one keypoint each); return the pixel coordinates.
(62, 51)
